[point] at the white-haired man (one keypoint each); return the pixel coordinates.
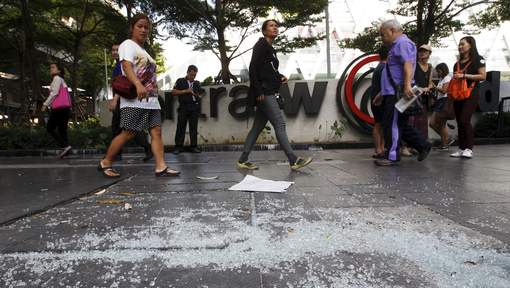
(396, 80)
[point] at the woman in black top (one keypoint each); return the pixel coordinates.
(473, 67)
(265, 81)
(423, 79)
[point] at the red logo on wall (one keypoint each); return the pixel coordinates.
(350, 92)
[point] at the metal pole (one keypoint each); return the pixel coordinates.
(105, 75)
(328, 48)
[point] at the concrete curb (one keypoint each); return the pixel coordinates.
(225, 147)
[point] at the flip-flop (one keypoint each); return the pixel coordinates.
(167, 173)
(106, 169)
(379, 156)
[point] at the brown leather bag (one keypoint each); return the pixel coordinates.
(122, 86)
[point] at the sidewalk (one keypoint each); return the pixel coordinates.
(345, 223)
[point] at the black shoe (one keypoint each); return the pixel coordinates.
(195, 150)
(386, 162)
(177, 150)
(424, 153)
(148, 156)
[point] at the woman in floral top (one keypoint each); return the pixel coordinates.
(143, 112)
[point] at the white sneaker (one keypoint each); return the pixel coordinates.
(457, 154)
(467, 154)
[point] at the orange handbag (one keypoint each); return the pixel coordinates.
(458, 89)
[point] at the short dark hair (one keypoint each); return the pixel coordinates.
(443, 68)
(60, 68)
(192, 68)
(383, 52)
(265, 23)
(137, 18)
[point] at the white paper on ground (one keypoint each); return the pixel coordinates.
(255, 184)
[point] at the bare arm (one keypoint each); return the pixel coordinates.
(482, 75)
(408, 75)
(431, 84)
(131, 76)
(112, 104)
(443, 88)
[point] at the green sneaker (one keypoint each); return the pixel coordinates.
(247, 165)
(300, 163)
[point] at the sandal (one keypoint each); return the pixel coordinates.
(379, 156)
(105, 171)
(167, 172)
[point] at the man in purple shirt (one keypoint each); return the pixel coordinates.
(401, 64)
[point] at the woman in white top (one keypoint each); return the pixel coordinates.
(143, 112)
(438, 119)
(58, 117)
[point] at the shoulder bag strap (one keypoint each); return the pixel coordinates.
(390, 77)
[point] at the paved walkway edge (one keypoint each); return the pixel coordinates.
(63, 202)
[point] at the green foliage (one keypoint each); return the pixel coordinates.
(74, 32)
(207, 81)
(17, 138)
(366, 41)
(338, 129)
(86, 134)
(496, 13)
(204, 23)
(430, 21)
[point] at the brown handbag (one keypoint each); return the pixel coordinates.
(122, 86)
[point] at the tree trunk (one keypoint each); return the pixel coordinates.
(74, 76)
(31, 59)
(129, 11)
(425, 21)
(225, 61)
(222, 43)
(18, 118)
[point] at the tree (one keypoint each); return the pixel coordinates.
(206, 23)
(81, 20)
(497, 12)
(36, 32)
(431, 21)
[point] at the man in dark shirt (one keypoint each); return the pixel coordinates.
(188, 90)
(114, 106)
